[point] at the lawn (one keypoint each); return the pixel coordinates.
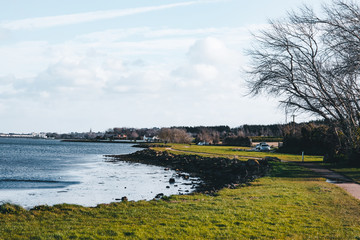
(241, 152)
(290, 203)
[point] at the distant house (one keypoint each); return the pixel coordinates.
(151, 139)
(121, 136)
(109, 135)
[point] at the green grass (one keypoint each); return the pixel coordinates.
(292, 203)
(232, 151)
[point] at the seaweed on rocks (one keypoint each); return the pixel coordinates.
(216, 173)
(148, 145)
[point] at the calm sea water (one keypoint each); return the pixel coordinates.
(47, 172)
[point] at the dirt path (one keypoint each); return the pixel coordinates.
(336, 178)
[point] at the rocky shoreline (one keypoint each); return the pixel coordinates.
(216, 173)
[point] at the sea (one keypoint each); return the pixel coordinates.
(48, 172)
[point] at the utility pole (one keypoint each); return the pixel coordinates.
(293, 123)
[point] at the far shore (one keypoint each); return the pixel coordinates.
(102, 141)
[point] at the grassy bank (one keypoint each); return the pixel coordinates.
(243, 153)
(291, 203)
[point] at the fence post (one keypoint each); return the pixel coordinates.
(302, 157)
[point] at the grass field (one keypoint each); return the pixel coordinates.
(241, 152)
(290, 203)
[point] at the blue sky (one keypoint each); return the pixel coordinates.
(74, 65)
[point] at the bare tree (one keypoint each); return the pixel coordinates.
(134, 135)
(209, 136)
(312, 63)
(342, 35)
(174, 135)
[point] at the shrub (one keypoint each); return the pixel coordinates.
(237, 141)
(312, 139)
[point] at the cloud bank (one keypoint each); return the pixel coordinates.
(106, 80)
(134, 77)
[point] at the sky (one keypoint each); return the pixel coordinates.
(71, 66)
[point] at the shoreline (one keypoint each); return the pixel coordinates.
(216, 173)
(99, 141)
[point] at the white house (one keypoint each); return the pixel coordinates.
(150, 139)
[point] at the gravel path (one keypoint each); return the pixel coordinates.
(333, 177)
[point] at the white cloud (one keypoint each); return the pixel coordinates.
(77, 70)
(23, 59)
(8, 87)
(210, 51)
(4, 33)
(52, 21)
(164, 77)
(233, 35)
(211, 68)
(8, 90)
(197, 71)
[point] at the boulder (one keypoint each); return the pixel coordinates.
(159, 195)
(253, 162)
(272, 159)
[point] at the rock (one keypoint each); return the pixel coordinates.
(172, 180)
(272, 159)
(216, 172)
(167, 186)
(253, 163)
(166, 169)
(159, 195)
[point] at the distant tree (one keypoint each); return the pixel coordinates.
(117, 130)
(134, 135)
(241, 133)
(209, 136)
(174, 135)
(274, 130)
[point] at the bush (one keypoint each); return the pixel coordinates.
(174, 135)
(237, 141)
(266, 139)
(315, 140)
